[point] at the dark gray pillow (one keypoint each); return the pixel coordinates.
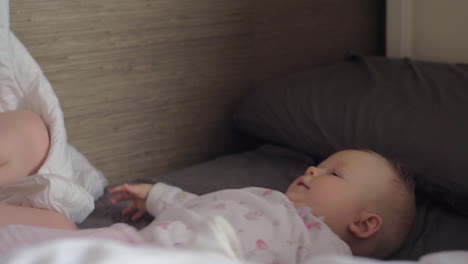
(414, 111)
(436, 228)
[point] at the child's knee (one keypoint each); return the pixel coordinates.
(24, 144)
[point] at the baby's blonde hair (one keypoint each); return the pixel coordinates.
(399, 210)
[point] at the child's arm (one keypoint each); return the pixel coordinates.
(149, 198)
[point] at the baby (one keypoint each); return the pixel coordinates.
(24, 145)
(355, 202)
(359, 195)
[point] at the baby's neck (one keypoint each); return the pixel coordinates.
(361, 247)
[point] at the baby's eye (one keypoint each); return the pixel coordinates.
(335, 174)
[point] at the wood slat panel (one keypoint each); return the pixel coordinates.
(146, 85)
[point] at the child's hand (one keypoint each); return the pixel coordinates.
(137, 193)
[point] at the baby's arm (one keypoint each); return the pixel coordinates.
(149, 198)
(162, 195)
(138, 193)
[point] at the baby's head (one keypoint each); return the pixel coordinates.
(364, 198)
(24, 144)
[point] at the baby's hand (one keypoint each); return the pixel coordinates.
(137, 193)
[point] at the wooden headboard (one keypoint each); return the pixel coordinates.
(148, 86)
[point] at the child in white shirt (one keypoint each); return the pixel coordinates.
(24, 146)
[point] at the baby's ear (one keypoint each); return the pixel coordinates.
(366, 225)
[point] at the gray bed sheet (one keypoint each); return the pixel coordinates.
(268, 166)
(436, 228)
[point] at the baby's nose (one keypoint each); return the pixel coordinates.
(312, 171)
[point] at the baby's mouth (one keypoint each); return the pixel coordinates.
(301, 183)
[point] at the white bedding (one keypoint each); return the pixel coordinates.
(67, 182)
(108, 252)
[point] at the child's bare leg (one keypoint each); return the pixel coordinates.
(17, 215)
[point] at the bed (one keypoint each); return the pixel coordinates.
(284, 126)
(441, 215)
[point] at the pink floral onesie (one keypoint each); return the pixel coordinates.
(268, 226)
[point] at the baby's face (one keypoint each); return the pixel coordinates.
(24, 144)
(341, 186)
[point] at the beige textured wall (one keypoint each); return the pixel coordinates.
(145, 85)
(148, 86)
(440, 30)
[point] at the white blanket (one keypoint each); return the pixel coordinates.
(108, 252)
(67, 182)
